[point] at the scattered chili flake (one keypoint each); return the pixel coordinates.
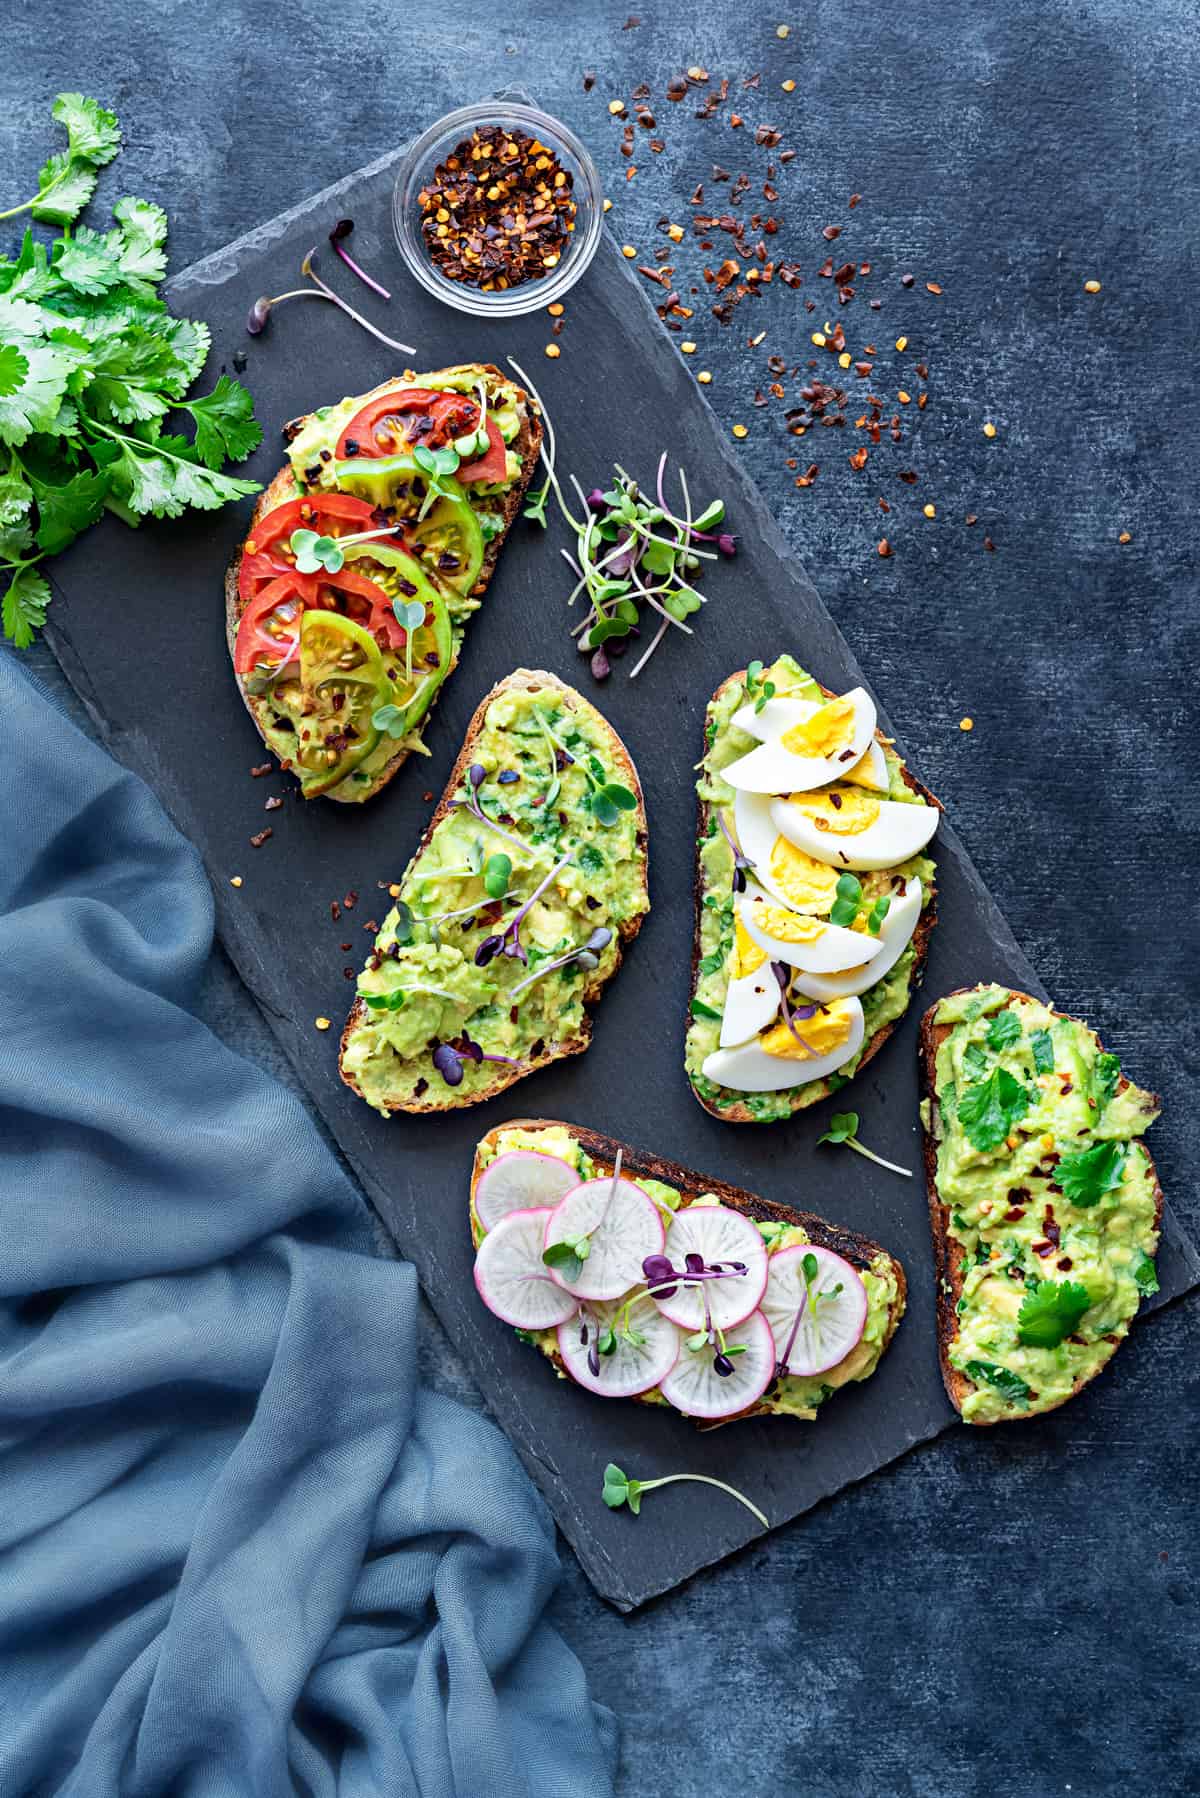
(263, 768)
(908, 475)
(235, 880)
(972, 518)
(902, 343)
(789, 87)
(829, 232)
(988, 544)
(704, 377)
(922, 401)
(272, 804)
(907, 280)
(1125, 537)
(617, 108)
(885, 548)
(782, 30)
(589, 80)
(884, 507)
(858, 457)
(809, 476)
(989, 430)
(350, 899)
(903, 397)
(552, 350)
(499, 210)
(739, 430)
(607, 206)
(628, 251)
(853, 201)
(1091, 287)
(257, 841)
(932, 287)
(929, 511)
(966, 724)
(321, 1023)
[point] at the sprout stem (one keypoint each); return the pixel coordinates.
(307, 269)
(852, 1143)
(703, 1479)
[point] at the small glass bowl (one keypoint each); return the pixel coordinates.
(439, 141)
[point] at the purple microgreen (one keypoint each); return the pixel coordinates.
(448, 1063)
(476, 775)
(586, 956)
(783, 975)
(620, 1490)
(843, 1128)
(308, 270)
(782, 1364)
(741, 863)
(340, 232)
(260, 312)
(727, 543)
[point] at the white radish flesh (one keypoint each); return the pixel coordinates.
(719, 1236)
(633, 1366)
(696, 1388)
(814, 1325)
(522, 1180)
(622, 1225)
(511, 1278)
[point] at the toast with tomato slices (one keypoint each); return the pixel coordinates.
(341, 699)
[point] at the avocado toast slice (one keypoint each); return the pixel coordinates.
(673, 1188)
(729, 967)
(513, 914)
(1044, 1204)
(402, 475)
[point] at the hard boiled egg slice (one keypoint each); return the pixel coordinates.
(871, 772)
(752, 996)
(850, 828)
(805, 942)
(814, 750)
(775, 1060)
(777, 715)
(895, 934)
(785, 872)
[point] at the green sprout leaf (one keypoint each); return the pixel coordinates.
(315, 553)
(619, 1489)
(1089, 1173)
(496, 873)
(843, 1128)
(389, 718)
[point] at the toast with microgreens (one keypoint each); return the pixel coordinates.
(815, 893)
(366, 558)
(514, 913)
(640, 1279)
(1044, 1202)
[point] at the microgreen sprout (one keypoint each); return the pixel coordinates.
(508, 941)
(586, 957)
(315, 553)
(741, 863)
(849, 902)
(570, 1254)
(262, 308)
(758, 689)
(620, 1490)
(438, 466)
(811, 1302)
(448, 1058)
(337, 236)
(783, 976)
(476, 775)
(843, 1128)
(608, 798)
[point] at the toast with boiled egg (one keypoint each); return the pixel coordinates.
(815, 894)
(366, 558)
(796, 1307)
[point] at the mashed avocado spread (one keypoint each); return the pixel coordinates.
(534, 853)
(1051, 1196)
(882, 1003)
(793, 1395)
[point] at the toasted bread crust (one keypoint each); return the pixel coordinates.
(644, 1164)
(947, 1265)
(282, 487)
(530, 680)
(741, 1113)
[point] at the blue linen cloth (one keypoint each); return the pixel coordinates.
(242, 1553)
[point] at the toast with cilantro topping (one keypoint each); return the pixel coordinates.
(514, 913)
(366, 558)
(1044, 1202)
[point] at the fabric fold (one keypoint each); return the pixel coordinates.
(244, 1553)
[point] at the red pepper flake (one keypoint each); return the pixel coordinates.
(932, 287)
(863, 368)
(830, 232)
(346, 948)
(767, 135)
(736, 119)
(335, 912)
(908, 476)
(907, 280)
(257, 841)
(809, 476)
(631, 23)
(988, 544)
(677, 88)
(972, 518)
(589, 80)
(884, 507)
(350, 900)
(885, 548)
(263, 768)
(858, 457)
(499, 210)
(853, 201)
(272, 805)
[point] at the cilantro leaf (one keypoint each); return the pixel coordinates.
(1105, 1075)
(1051, 1312)
(33, 378)
(92, 131)
(226, 428)
(1004, 1029)
(988, 1109)
(64, 188)
(141, 238)
(65, 511)
(24, 606)
(87, 262)
(1145, 1274)
(975, 1062)
(16, 496)
(1088, 1174)
(989, 1373)
(1043, 1051)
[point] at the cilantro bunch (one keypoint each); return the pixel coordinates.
(91, 363)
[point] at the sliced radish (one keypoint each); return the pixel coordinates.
(722, 1239)
(512, 1279)
(622, 1225)
(694, 1385)
(522, 1180)
(813, 1328)
(633, 1366)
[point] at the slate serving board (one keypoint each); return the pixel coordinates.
(138, 627)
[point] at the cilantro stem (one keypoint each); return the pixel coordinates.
(702, 1479)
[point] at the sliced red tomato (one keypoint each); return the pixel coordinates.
(392, 422)
(265, 553)
(271, 621)
(270, 625)
(367, 604)
(491, 467)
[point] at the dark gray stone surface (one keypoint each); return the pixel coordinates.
(1001, 1612)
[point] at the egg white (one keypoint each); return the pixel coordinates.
(757, 837)
(899, 831)
(771, 768)
(872, 771)
(776, 717)
(749, 1069)
(835, 949)
(895, 934)
(751, 1003)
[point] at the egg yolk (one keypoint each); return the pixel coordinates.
(786, 926)
(841, 813)
(747, 956)
(824, 733)
(806, 882)
(824, 1032)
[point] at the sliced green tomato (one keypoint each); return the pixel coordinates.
(449, 539)
(382, 481)
(402, 577)
(342, 679)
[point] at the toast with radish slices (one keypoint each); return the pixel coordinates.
(815, 894)
(638, 1278)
